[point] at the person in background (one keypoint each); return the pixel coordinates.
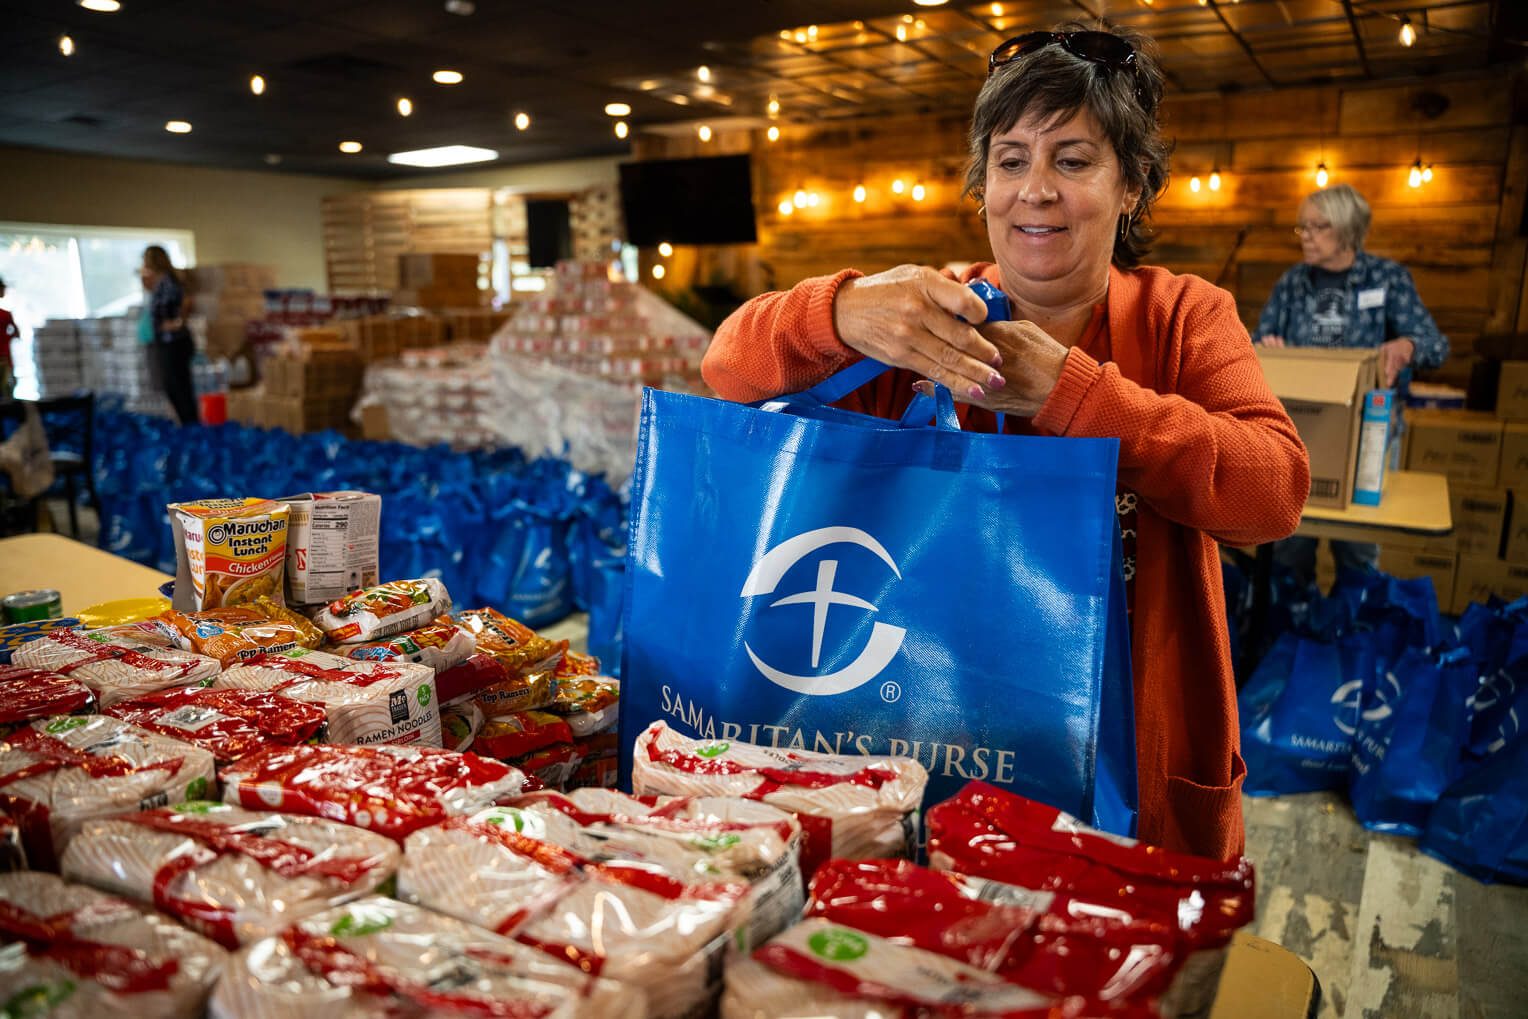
(1342, 296)
(170, 342)
(1067, 157)
(8, 332)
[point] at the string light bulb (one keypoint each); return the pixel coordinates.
(997, 10)
(66, 45)
(898, 186)
(1194, 185)
(859, 192)
(1427, 174)
(659, 272)
(665, 248)
(1414, 178)
(901, 33)
(919, 192)
(773, 133)
(621, 130)
(257, 84)
(774, 107)
(800, 198)
(1322, 175)
(1215, 179)
(522, 121)
(703, 73)
(1408, 33)
(787, 207)
(405, 107)
(704, 132)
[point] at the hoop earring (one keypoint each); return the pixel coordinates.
(1124, 227)
(981, 211)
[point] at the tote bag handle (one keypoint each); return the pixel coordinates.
(940, 408)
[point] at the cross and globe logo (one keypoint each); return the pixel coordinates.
(885, 640)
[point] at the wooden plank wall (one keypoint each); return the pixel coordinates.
(366, 231)
(1460, 234)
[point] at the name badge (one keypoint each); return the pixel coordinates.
(1371, 298)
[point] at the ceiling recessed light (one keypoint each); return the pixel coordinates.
(931, 3)
(522, 121)
(257, 84)
(444, 155)
(447, 77)
(464, 8)
(177, 126)
(101, 6)
(621, 130)
(66, 45)
(350, 148)
(273, 159)
(405, 106)
(617, 109)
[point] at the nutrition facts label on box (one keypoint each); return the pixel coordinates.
(332, 549)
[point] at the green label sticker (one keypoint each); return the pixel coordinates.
(713, 749)
(59, 725)
(196, 789)
(36, 999)
(714, 843)
(196, 805)
(838, 944)
(360, 924)
(424, 696)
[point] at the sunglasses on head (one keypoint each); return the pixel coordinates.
(1095, 47)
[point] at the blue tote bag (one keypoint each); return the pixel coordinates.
(805, 577)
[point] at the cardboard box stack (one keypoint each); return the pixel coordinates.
(56, 353)
(224, 300)
(439, 281)
(309, 383)
(473, 324)
(385, 337)
(1322, 390)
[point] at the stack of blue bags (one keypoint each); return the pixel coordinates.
(1421, 721)
(535, 539)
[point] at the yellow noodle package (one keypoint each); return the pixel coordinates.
(228, 552)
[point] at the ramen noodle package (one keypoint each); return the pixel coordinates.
(378, 958)
(117, 663)
(366, 702)
(441, 645)
(56, 774)
(227, 723)
(77, 953)
(820, 970)
(331, 545)
(228, 552)
(239, 632)
(389, 790)
(552, 766)
(516, 645)
(231, 874)
(574, 665)
(29, 694)
(589, 705)
(849, 806)
(538, 877)
(525, 732)
(495, 688)
(381, 611)
(698, 839)
(459, 725)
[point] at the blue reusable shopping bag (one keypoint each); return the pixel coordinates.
(802, 576)
(1480, 823)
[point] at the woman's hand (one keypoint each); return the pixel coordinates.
(1032, 365)
(906, 317)
(1394, 355)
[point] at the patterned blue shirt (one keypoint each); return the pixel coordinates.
(1382, 304)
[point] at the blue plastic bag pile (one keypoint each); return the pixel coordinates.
(1368, 690)
(535, 539)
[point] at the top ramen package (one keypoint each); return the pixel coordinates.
(228, 552)
(332, 547)
(381, 611)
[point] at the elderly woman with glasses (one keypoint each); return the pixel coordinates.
(1342, 296)
(1067, 156)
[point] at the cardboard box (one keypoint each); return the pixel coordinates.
(1479, 578)
(331, 545)
(1438, 561)
(1513, 471)
(1464, 444)
(1512, 391)
(437, 296)
(1322, 390)
(1515, 540)
(374, 424)
(1480, 519)
(207, 279)
(420, 269)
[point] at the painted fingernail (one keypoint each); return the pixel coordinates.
(996, 381)
(997, 361)
(977, 394)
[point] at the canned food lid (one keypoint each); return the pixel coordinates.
(23, 599)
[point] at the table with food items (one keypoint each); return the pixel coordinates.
(292, 786)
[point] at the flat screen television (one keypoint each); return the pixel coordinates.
(688, 201)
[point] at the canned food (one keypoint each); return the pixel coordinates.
(27, 606)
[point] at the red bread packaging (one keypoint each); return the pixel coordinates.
(229, 723)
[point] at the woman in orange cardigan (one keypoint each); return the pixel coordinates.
(1067, 158)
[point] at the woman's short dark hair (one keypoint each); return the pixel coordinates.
(1054, 85)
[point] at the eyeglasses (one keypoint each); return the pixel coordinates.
(1301, 229)
(1103, 48)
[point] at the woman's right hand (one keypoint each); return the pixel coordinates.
(906, 317)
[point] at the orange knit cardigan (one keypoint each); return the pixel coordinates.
(1168, 369)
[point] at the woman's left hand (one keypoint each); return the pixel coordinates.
(1394, 355)
(1032, 364)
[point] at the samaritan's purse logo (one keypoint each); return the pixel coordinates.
(885, 640)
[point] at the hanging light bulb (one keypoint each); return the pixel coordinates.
(1414, 178)
(898, 186)
(787, 207)
(703, 73)
(1322, 176)
(659, 272)
(774, 107)
(621, 130)
(257, 84)
(1194, 185)
(919, 192)
(799, 198)
(773, 133)
(859, 192)
(665, 248)
(1427, 174)
(704, 132)
(405, 107)
(1408, 33)
(901, 33)
(66, 45)
(1215, 179)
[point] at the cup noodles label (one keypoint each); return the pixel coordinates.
(228, 552)
(332, 545)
